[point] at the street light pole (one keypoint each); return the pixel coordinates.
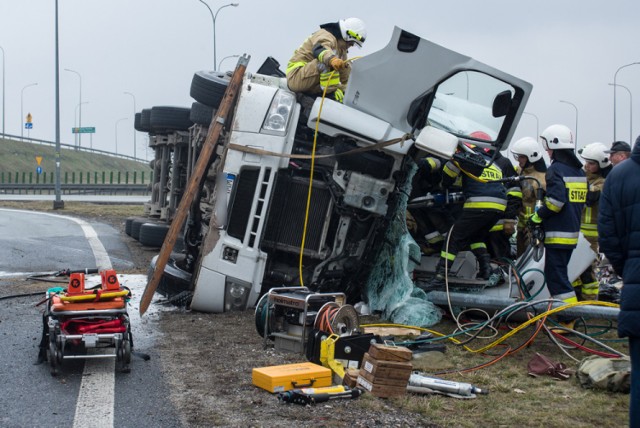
(75, 115)
(22, 109)
(614, 96)
(117, 122)
(630, 109)
(58, 203)
(134, 118)
(575, 107)
(79, 103)
(3, 91)
(213, 19)
(537, 123)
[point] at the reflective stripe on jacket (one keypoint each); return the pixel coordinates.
(589, 222)
(483, 195)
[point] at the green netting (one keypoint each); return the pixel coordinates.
(389, 288)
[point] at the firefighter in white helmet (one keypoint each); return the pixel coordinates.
(321, 61)
(597, 166)
(560, 214)
(527, 152)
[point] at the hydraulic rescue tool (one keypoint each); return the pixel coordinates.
(316, 395)
(420, 383)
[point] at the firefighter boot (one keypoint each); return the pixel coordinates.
(484, 266)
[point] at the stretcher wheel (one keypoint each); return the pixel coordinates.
(53, 357)
(124, 356)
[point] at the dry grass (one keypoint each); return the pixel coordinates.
(78, 208)
(515, 398)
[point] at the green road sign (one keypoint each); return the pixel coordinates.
(84, 130)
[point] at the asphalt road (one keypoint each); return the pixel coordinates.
(87, 393)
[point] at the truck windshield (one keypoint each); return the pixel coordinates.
(464, 105)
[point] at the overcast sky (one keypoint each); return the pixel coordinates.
(569, 50)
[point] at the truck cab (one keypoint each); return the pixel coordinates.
(303, 188)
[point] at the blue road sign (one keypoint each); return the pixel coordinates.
(28, 125)
(39, 170)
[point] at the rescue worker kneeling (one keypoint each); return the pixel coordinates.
(321, 61)
(485, 203)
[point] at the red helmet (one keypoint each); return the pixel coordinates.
(480, 135)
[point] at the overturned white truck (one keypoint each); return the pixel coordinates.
(281, 150)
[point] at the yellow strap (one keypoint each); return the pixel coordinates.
(86, 297)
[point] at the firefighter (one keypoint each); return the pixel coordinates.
(597, 166)
(561, 212)
(485, 203)
(527, 152)
(321, 61)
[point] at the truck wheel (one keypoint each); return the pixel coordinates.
(208, 87)
(168, 119)
(135, 227)
(127, 225)
(153, 234)
(145, 115)
(201, 114)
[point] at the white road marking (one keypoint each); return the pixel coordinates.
(95, 403)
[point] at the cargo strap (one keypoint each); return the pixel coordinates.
(376, 146)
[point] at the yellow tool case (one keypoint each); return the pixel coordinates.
(291, 376)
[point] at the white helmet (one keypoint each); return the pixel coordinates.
(528, 147)
(557, 137)
(353, 30)
(595, 152)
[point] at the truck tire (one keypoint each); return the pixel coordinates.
(136, 121)
(135, 227)
(145, 115)
(153, 234)
(164, 120)
(127, 225)
(208, 87)
(201, 114)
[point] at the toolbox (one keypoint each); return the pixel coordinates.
(291, 376)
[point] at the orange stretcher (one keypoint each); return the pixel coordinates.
(77, 320)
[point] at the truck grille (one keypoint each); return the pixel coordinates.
(286, 216)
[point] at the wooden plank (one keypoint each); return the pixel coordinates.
(208, 149)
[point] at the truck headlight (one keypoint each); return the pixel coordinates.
(279, 113)
(236, 293)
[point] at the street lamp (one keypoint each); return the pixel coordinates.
(574, 106)
(3, 91)
(134, 118)
(79, 103)
(614, 96)
(75, 114)
(22, 109)
(630, 109)
(230, 56)
(537, 123)
(117, 122)
(213, 18)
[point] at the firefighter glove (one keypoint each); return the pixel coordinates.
(338, 95)
(337, 63)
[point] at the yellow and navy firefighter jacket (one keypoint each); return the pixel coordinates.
(479, 192)
(563, 204)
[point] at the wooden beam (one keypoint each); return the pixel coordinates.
(208, 150)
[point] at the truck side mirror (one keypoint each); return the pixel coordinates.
(501, 104)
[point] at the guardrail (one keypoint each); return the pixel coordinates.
(75, 189)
